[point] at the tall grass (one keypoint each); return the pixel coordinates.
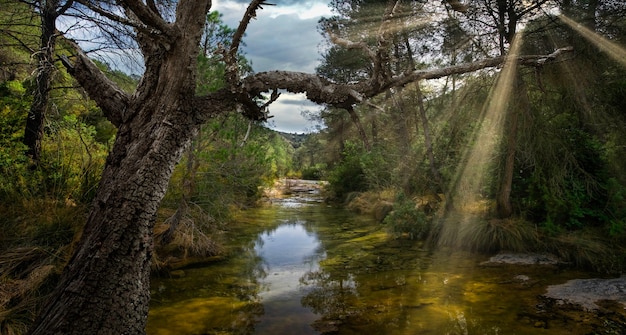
(490, 235)
(35, 244)
(591, 249)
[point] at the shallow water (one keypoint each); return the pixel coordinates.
(301, 267)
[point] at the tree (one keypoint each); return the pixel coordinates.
(49, 11)
(105, 287)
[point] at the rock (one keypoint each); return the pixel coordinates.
(523, 259)
(521, 278)
(587, 292)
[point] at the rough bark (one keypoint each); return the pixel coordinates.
(105, 287)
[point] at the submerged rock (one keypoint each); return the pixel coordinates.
(523, 259)
(587, 292)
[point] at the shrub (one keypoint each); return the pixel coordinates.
(348, 175)
(407, 220)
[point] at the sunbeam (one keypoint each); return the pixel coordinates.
(478, 158)
(614, 51)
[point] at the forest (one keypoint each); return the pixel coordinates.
(482, 125)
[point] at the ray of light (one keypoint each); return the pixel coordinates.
(478, 159)
(613, 50)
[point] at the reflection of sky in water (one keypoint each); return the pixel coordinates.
(288, 245)
(288, 253)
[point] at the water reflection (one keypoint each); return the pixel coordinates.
(288, 253)
(312, 269)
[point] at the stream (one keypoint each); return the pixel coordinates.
(299, 266)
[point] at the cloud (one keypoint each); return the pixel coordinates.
(283, 43)
(287, 116)
(282, 37)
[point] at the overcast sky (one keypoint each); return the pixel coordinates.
(282, 37)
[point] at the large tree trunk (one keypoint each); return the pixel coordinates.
(105, 287)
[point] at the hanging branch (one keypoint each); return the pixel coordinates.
(245, 138)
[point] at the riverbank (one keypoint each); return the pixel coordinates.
(359, 279)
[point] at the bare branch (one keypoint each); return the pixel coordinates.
(111, 99)
(323, 91)
(243, 25)
(230, 56)
(153, 7)
(317, 89)
(116, 18)
(273, 97)
(528, 60)
(67, 5)
(148, 17)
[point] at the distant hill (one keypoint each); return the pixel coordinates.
(296, 140)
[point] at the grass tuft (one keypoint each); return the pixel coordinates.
(591, 249)
(496, 235)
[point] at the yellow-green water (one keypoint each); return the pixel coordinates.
(302, 267)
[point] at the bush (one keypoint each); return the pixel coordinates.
(348, 175)
(407, 220)
(313, 172)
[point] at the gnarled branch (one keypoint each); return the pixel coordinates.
(323, 91)
(109, 97)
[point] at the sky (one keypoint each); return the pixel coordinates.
(282, 37)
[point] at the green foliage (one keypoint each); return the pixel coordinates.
(121, 79)
(211, 67)
(69, 168)
(407, 220)
(347, 176)
(344, 65)
(222, 171)
(617, 205)
(315, 172)
(380, 168)
(308, 158)
(13, 109)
